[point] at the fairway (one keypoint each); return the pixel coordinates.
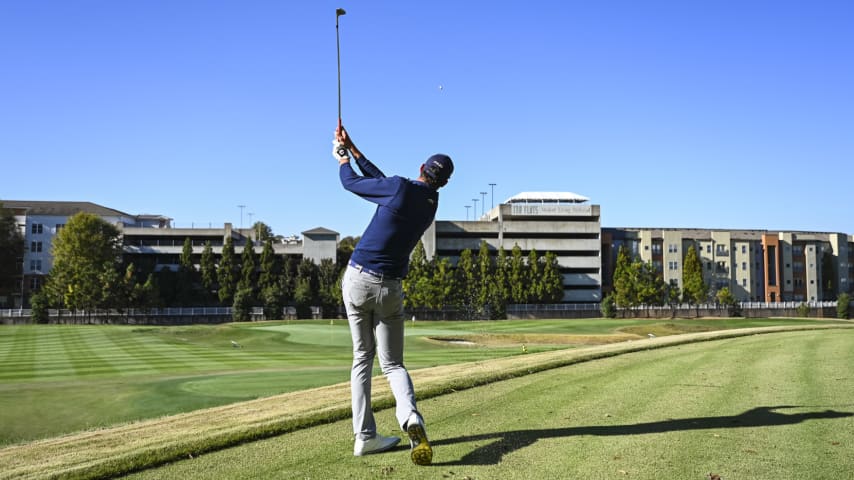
(64, 378)
(771, 406)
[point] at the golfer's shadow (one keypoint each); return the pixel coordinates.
(502, 443)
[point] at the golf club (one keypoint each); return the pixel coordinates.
(338, 12)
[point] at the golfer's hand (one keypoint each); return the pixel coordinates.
(342, 137)
(340, 153)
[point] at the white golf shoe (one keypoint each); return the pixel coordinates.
(376, 444)
(421, 452)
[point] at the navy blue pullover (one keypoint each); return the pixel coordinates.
(405, 208)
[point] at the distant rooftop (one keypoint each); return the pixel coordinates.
(547, 197)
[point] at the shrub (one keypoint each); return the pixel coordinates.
(608, 307)
(803, 310)
(842, 304)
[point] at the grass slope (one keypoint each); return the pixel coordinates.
(758, 407)
(104, 453)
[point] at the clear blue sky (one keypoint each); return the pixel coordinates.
(725, 114)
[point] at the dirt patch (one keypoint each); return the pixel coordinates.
(664, 329)
(511, 339)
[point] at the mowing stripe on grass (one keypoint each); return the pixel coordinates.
(712, 407)
(109, 452)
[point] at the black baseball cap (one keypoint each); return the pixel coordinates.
(439, 168)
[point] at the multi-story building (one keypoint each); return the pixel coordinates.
(147, 240)
(755, 265)
(559, 222)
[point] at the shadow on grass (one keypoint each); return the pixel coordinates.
(507, 442)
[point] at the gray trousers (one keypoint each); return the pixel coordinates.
(375, 313)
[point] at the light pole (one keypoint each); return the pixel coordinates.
(241, 207)
(250, 225)
(492, 187)
(474, 213)
(467, 211)
(482, 202)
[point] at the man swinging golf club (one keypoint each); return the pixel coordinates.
(372, 291)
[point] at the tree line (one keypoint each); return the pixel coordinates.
(90, 272)
(481, 285)
(637, 284)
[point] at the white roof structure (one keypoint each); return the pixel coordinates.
(547, 197)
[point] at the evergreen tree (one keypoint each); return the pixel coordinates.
(227, 273)
(329, 286)
(484, 277)
(552, 279)
(271, 266)
(443, 286)
(694, 288)
(465, 275)
(843, 302)
(247, 270)
(625, 284)
(500, 285)
(518, 276)
(535, 280)
(207, 266)
(414, 292)
(306, 288)
(186, 295)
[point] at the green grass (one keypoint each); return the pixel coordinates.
(58, 379)
(770, 406)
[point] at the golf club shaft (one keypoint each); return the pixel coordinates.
(338, 47)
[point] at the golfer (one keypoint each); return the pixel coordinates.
(372, 291)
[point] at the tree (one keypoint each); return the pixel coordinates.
(694, 289)
(484, 277)
(608, 307)
(247, 271)
(625, 281)
(415, 284)
(552, 280)
(534, 278)
(345, 250)
(500, 293)
(443, 285)
(329, 287)
(306, 287)
(226, 273)
(271, 266)
(263, 232)
(207, 267)
(11, 253)
(728, 300)
(186, 295)
(85, 255)
(465, 275)
(518, 274)
(842, 304)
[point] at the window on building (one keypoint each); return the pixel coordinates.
(35, 265)
(743, 282)
(37, 228)
(35, 283)
(59, 226)
(744, 265)
(35, 247)
(709, 248)
(744, 249)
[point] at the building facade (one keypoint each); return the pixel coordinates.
(147, 240)
(755, 265)
(559, 222)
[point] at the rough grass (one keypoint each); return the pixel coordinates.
(126, 448)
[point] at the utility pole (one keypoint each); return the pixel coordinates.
(241, 207)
